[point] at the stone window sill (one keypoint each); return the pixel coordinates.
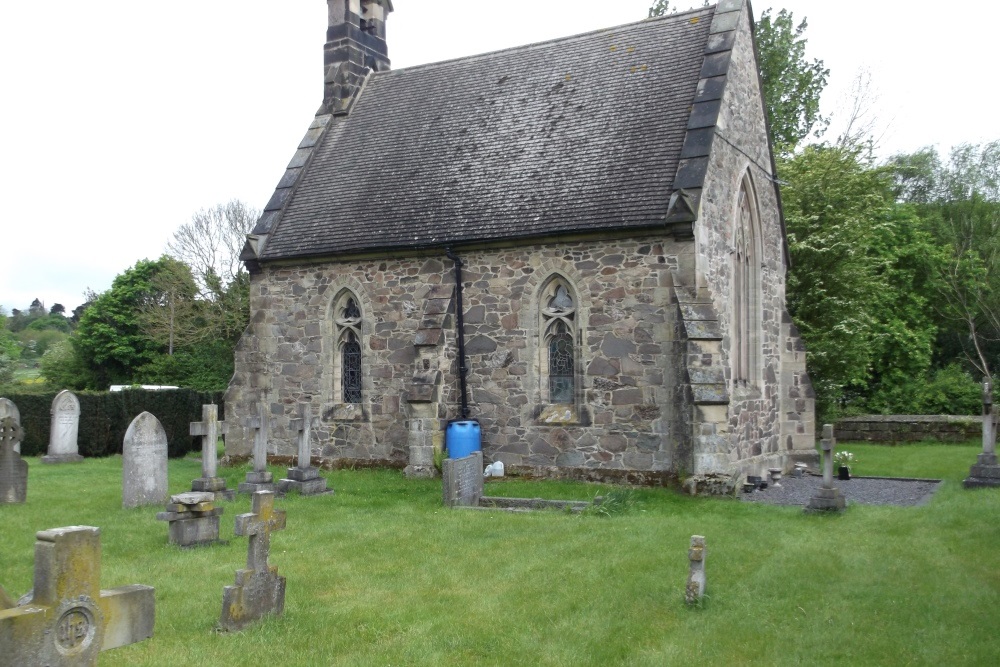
(562, 414)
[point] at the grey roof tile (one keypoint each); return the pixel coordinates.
(574, 135)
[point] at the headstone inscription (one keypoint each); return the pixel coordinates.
(193, 519)
(304, 478)
(258, 479)
(986, 471)
(828, 497)
(144, 462)
(65, 429)
(68, 619)
(695, 590)
(259, 590)
(9, 409)
(209, 429)
(462, 480)
(13, 469)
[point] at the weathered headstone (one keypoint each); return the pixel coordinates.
(828, 497)
(258, 479)
(144, 462)
(259, 590)
(64, 433)
(13, 469)
(9, 409)
(986, 471)
(68, 619)
(462, 480)
(193, 517)
(304, 478)
(695, 590)
(209, 429)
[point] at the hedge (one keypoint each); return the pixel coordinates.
(105, 417)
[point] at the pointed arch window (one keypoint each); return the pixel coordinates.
(348, 375)
(559, 341)
(746, 288)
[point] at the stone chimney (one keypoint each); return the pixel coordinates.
(355, 46)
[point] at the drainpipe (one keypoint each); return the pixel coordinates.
(460, 324)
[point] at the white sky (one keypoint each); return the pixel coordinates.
(121, 118)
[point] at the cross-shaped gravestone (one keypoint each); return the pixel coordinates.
(986, 471)
(259, 479)
(304, 478)
(69, 620)
(13, 470)
(9, 409)
(828, 497)
(259, 590)
(209, 429)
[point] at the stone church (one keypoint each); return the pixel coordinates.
(609, 201)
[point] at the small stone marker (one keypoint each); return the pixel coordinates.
(259, 590)
(69, 620)
(986, 471)
(695, 590)
(193, 517)
(13, 469)
(259, 479)
(828, 497)
(462, 480)
(210, 428)
(64, 433)
(144, 463)
(9, 409)
(304, 478)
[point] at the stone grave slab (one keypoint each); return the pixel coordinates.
(462, 480)
(68, 619)
(65, 429)
(828, 497)
(13, 469)
(695, 590)
(258, 479)
(9, 409)
(144, 463)
(193, 519)
(209, 429)
(303, 478)
(259, 590)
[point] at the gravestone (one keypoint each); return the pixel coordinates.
(209, 429)
(695, 590)
(259, 590)
(258, 479)
(193, 519)
(68, 619)
(9, 409)
(13, 469)
(462, 480)
(65, 429)
(986, 471)
(303, 478)
(144, 462)
(828, 497)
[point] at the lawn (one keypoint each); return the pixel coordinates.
(381, 574)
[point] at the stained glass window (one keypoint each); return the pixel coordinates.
(561, 365)
(351, 369)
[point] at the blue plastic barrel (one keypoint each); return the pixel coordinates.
(462, 438)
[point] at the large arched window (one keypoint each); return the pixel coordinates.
(746, 288)
(347, 351)
(558, 329)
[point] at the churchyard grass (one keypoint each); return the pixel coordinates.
(380, 573)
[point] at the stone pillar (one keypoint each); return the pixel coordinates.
(695, 590)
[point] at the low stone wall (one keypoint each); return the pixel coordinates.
(909, 428)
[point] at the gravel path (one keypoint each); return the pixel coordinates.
(862, 490)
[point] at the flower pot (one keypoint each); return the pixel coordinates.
(843, 472)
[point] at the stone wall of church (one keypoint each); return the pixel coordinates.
(740, 146)
(628, 412)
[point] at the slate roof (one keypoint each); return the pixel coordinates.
(579, 134)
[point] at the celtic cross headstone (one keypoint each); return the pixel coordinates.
(9, 409)
(13, 469)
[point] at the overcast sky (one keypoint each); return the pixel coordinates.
(121, 118)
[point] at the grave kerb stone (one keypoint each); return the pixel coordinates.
(259, 590)
(68, 619)
(144, 463)
(13, 469)
(462, 480)
(64, 429)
